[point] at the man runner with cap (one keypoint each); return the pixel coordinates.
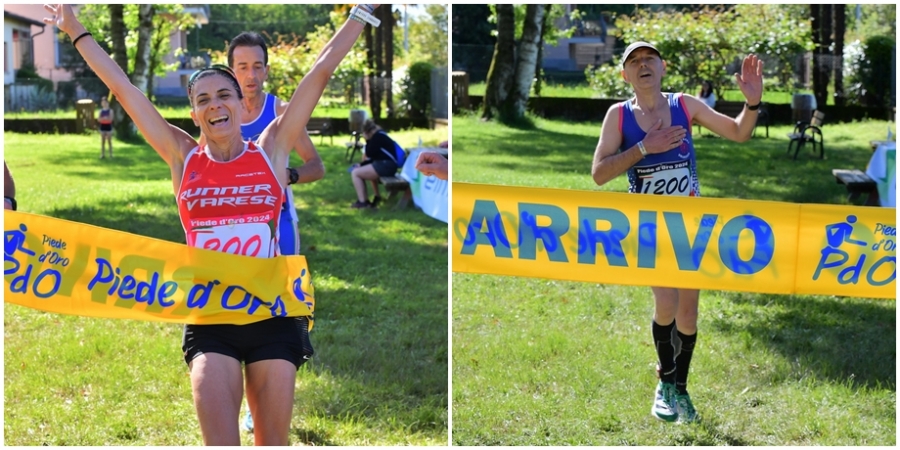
(649, 137)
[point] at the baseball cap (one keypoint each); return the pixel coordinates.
(636, 45)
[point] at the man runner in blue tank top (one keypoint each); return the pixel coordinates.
(649, 137)
(248, 56)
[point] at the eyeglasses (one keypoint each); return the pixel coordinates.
(219, 67)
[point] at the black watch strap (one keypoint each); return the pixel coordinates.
(293, 175)
(753, 107)
(12, 202)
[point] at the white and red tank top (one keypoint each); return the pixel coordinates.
(232, 206)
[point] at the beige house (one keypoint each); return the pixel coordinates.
(27, 39)
(591, 44)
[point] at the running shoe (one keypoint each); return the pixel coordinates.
(665, 407)
(686, 411)
(247, 423)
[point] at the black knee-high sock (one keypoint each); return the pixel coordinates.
(683, 361)
(665, 351)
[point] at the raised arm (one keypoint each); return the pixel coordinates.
(310, 89)
(312, 169)
(739, 129)
(153, 127)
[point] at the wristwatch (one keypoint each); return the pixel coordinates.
(754, 107)
(293, 175)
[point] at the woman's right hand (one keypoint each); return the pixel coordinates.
(64, 19)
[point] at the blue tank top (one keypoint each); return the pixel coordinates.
(250, 131)
(671, 173)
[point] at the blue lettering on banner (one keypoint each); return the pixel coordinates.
(608, 228)
(647, 239)
(611, 240)
(689, 255)
(763, 250)
(485, 214)
(47, 282)
(530, 232)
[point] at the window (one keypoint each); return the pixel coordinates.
(23, 49)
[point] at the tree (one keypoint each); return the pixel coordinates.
(471, 25)
(527, 57)
(288, 20)
(138, 41)
(387, 28)
(142, 57)
(706, 43)
(821, 17)
(292, 57)
(122, 122)
(380, 61)
(839, 25)
(502, 71)
(428, 37)
(538, 73)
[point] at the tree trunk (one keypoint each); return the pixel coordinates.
(816, 33)
(822, 62)
(502, 72)
(839, 25)
(387, 24)
(370, 66)
(379, 75)
(538, 77)
(527, 59)
(142, 55)
(828, 62)
(159, 36)
(121, 121)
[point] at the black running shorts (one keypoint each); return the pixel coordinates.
(276, 338)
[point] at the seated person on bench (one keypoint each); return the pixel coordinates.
(379, 160)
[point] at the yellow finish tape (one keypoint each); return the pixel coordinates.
(71, 268)
(682, 242)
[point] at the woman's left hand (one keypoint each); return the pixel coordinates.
(750, 80)
(64, 19)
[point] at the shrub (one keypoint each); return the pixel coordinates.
(874, 81)
(415, 99)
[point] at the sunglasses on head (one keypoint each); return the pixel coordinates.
(218, 67)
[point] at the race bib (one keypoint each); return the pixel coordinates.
(665, 179)
(246, 239)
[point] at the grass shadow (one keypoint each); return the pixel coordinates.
(127, 217)
(822, 335)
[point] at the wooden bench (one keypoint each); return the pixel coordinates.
(808, 132)
(857, 183)
(321, 127)
(733, 109)
(397, 185)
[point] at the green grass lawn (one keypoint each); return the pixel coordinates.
(544, 362)
(379, 376)
(178, 112)
(585, 91)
